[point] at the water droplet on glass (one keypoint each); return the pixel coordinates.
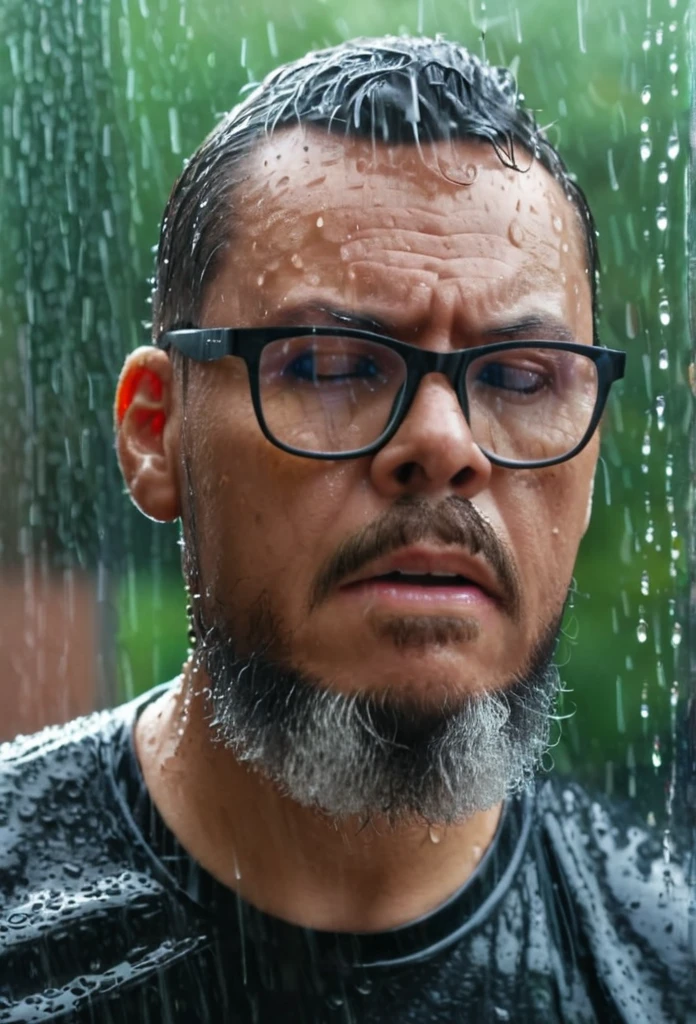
(642, 631)
(663, 358)
(662, 173)
(660, 411)
(645, 95)
(645, 124)
(665, 315)
(645, 584)
(320, 222)
(646, 447)
(645, 149)
(676, 635)
(673, 145)
(656, 754)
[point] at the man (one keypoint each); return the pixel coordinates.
(373, 402)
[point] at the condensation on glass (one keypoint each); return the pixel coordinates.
(100, 104)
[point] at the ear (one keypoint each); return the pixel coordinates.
(147, 433)
(588, 513)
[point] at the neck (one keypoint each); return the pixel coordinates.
(287, 860)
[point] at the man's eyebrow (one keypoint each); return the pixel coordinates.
(544, 326)
(311, 312)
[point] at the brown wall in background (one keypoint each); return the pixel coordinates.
(49, 650)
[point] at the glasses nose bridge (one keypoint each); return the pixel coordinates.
(451, 365)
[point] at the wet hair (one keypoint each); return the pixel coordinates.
(412, 91)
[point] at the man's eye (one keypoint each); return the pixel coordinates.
(331, 368)
(518, 379)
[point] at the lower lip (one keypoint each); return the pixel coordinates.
(410, 595)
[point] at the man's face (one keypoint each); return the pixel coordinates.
(382, 234)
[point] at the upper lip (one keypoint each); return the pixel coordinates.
(432, 560)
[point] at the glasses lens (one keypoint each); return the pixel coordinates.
(329, 394)
(531, 404)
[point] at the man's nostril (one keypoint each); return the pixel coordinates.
(404, 473)
(464, 476)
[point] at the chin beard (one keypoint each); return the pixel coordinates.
(374, 756)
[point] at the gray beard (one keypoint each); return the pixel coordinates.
(375, 756)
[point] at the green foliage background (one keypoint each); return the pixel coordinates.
(102, 103)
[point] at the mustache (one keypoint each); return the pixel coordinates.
(410, 520)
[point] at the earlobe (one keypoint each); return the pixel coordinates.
(146, 434)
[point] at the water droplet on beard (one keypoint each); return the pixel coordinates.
(516, 233)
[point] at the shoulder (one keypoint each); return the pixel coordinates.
(58, 799)
(626, 886)
(76, 878)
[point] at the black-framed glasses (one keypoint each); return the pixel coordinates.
(339, 393)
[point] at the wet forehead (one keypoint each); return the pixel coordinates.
(404, 229)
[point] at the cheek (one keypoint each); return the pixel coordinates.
(263, 515)
(546, 529)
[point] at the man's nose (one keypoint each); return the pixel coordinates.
(433, 451)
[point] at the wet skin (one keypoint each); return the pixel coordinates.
(374, 232)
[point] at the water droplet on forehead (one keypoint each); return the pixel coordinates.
(516, 233)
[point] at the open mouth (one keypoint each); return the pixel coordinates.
(424, 579)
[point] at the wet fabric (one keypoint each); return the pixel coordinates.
(573, 915)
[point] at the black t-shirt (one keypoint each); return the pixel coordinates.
(572, 915)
